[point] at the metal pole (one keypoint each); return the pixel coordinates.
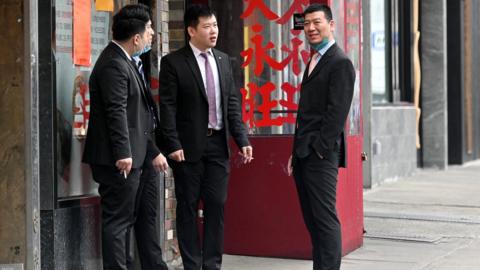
(32, 175)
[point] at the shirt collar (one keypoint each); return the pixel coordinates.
(197, 52)
(325, 49)
(128, 55)
(136, 59)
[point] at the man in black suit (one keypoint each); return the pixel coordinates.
(319, 146)
(200, 107)
(120, 146)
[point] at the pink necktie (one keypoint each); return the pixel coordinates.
(212, 104)
(313, 63)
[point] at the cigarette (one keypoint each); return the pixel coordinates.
(125, 174)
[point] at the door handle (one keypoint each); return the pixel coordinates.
(364, 156)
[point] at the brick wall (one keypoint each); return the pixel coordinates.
(172, 252)
(171, 34)
(175, 24)
(174, 39)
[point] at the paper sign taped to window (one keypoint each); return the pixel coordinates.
(81, 32)
(104, 5)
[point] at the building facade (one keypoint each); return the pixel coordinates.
(420, 89)
(416, 105)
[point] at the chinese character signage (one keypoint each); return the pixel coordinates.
(275, 54)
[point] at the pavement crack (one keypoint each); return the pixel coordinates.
(438, 259)
(423, 204)
(422, 217)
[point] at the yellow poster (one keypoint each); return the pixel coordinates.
(104, 5)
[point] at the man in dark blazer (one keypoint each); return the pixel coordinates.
(319, 144)
(199, 108)
(120, 146)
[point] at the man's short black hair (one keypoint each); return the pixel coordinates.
(319, 7)
(129, 21)
(194, 12)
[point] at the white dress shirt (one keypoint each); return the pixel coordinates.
(216, 78)
(324, 50)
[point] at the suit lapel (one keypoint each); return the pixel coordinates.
(322, 63)
(305, 72)
(221, 76)
(134, 69)
(139, 80)
(193, 65)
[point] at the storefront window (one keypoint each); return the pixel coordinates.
(270, 60)
(74, 61)
(377, 52)
(352, 47)
(270, 57)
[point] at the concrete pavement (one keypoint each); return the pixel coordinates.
(430, 221)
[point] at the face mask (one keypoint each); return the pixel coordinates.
(145, 49)
(321, 45)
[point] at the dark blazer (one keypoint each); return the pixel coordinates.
(184, 104)
(325, 99)
(120, 124)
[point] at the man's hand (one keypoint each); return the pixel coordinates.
(160, 163)
(247, 154)
(289, 166)
(124, 165)
(177, 155)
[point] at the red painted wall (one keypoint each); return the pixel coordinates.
(263, 216)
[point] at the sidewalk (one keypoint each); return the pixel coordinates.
(428, 221)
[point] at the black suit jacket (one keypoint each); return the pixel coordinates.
(325, 99)
(184, 104)
(121, 123)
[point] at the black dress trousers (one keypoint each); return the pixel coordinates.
(316, 181)
(206, 179)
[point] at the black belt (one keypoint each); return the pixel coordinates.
(211, 131)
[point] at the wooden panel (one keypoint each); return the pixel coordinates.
(12, 134)
(468, 62)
